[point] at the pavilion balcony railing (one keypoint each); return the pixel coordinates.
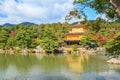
(76, 31)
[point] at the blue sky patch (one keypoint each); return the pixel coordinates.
(3, 15)
(90, 13)
(1, 1)
(19, 1)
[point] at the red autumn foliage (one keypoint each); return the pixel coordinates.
(12, 34)
(111, 35)
(101, 39)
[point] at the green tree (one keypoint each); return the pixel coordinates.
(96, 26)
(4, 34)
(102, 6)
(74, 47)
(113, 45)
(26, 36)
(49, 42)
(25, 39)
(49, 45)
(10, 42)
(88, 40)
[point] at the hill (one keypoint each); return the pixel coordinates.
(23, 23)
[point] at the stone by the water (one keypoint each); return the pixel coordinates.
(114, 61)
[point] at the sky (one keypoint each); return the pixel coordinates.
(37, 11)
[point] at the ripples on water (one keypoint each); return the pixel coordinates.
(82, 67)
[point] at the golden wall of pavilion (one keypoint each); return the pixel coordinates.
(73, 37)
(75, 32)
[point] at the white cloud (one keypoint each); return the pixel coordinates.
(102, 16)
(37, 11)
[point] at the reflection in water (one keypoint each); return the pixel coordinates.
(76, 62)
(59, 67)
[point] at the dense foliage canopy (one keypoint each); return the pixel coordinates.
(100, 33)
(113, 45)
(45, 35)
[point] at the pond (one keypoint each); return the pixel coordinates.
(82, 67)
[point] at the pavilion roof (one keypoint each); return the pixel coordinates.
(76, 33)
(78, 26)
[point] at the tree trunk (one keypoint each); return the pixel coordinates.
(116, 5)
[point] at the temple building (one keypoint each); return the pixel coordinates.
(75, 33)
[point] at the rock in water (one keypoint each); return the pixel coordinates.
(114, 61)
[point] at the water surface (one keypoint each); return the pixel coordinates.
(82, 67)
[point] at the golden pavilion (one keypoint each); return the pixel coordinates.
(75, 33)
